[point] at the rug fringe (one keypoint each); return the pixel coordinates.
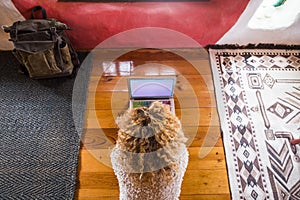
(253, 46)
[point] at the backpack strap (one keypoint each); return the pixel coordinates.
(37, 8)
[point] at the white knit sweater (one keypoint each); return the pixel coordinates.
(131, 187)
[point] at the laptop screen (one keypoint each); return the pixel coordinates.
(151, 87)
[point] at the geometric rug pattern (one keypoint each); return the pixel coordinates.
(258, 99)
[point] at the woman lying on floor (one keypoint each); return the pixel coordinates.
(150, 157)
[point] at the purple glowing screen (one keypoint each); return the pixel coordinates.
(155, 87)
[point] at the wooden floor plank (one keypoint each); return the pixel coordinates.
(101, 138)
(215, 159)
(188, 117)
(118, 83)
(119, 100)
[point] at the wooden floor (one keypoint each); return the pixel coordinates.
(206, 175)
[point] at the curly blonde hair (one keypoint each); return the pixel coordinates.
(150, 140)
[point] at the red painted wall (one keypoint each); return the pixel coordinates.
(205, 22)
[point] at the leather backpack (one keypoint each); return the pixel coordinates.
(42, 47)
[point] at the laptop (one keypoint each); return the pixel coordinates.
(144, 91)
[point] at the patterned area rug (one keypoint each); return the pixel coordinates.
(258, 98)
(39, 144)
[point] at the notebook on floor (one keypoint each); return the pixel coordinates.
(144, 91)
